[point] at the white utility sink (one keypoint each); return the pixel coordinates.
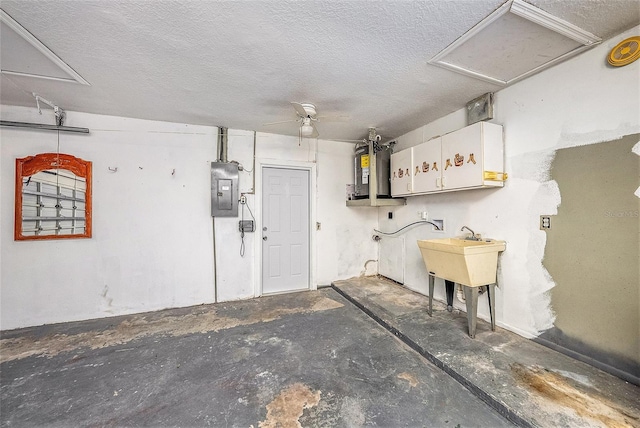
(466, 262)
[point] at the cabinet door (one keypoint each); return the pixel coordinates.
(401, 182)
(427, 166)
(462, 154)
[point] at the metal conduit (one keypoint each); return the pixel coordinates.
(223, 134)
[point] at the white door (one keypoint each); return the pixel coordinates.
(285, 231)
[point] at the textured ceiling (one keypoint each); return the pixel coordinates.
(239, 63)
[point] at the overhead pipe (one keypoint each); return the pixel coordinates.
(221, 156)
(44, 127)
(223, 134)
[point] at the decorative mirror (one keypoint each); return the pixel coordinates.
(53, 197)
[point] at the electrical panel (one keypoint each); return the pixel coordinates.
(224, 189)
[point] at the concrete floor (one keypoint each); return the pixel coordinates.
(324, 358)
(310, 358)
(530, 384)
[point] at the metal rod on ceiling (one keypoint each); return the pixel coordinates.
(44, 126)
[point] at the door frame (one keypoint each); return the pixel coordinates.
(273, 163)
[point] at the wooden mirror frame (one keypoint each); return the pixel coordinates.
(26, 167)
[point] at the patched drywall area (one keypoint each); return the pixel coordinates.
(592, 253)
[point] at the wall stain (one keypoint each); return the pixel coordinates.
(285, 410)
(201, 319)
(104, 293)
(409, 378)
(559, 389)
(107, 300)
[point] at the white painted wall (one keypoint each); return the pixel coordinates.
(345, 240)
(235, 276)
(581, 101)
(152, 243)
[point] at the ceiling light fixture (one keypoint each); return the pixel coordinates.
(306, 129)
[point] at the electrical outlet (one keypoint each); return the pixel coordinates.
(424, 215)
(545, 222)
(246, 226)
(243, 199)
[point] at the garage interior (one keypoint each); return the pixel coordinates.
(192, 234)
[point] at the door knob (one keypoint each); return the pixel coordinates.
(264, 238)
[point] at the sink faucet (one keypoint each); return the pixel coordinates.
(473, 236)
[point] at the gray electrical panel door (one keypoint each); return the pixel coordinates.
(224, 189)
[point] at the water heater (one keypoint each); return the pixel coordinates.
(362, 168)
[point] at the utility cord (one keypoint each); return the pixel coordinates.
(243, 202)
(241, 227)
(410, 224)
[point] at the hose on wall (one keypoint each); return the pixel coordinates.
(410, 224)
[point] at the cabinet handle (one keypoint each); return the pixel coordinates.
(408, 187)
(444, 183)
(438, 182)
(495, 176)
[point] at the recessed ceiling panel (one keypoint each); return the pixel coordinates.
(19, 56)
(22, 54)
(514, 42)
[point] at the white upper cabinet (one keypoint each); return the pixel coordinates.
(427, 166)
(462, 158)
(401, 165)
(469, 158)
(473, 157)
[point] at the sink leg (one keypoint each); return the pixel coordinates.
(450, 286)
(431, 282)
(492, 305)
(471, 296)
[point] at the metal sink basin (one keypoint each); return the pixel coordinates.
(466, 262)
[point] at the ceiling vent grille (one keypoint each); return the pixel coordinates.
(514, 42)
(24, 55)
